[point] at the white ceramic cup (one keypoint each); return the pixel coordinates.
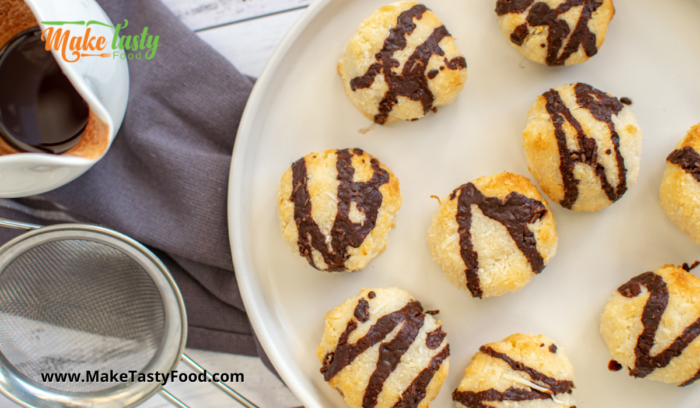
(102, 82)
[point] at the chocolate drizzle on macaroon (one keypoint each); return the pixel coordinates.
(518, 35)
(362, 311)
(412, 83)
(602, 107)
(515, 212)
(344, 233)
(554, 385)
(504, 7)
(614, 366)
(434, 338)
(415, 393)
(688, 159)
(559, 33)
(653, 311)
(411, 319)
(474, 399)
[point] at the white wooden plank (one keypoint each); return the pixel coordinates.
(260, 386)
(200, 14)
(249, 45)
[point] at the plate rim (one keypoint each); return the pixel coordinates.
(246, 281)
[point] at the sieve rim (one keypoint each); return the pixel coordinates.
(28, 393)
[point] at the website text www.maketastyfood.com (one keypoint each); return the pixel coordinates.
(134, 376)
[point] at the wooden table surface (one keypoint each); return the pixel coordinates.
(246, 32)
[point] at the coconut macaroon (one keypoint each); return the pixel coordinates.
(651, 325)
(555, 32)
(380, 349)
(336, 208)
(583, 146)
(523, 370)
(493, 235)
(680, 188)
(401, 63)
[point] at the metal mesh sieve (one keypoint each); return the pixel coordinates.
(73, 306)
(78, 299)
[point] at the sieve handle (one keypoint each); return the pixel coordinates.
(225, 388)
(173, 399)
(18, 225)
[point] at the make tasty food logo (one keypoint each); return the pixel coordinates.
(82, 43)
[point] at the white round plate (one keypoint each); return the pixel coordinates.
(651, 55)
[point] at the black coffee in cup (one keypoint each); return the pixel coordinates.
(40, 110)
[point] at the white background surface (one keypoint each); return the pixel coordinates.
(247, 33)
(650, 55)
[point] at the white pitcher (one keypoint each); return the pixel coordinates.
(103, 84)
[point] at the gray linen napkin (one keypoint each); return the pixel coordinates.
(164, 180)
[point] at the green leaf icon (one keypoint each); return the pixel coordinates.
(98, 23)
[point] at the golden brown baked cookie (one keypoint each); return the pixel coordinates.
(343, 202)
(523, 370)
(555, 32)
(680, 188)
(651, 325)
(493, 235)
(582, 146)
(401, 63)
(379, 349)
